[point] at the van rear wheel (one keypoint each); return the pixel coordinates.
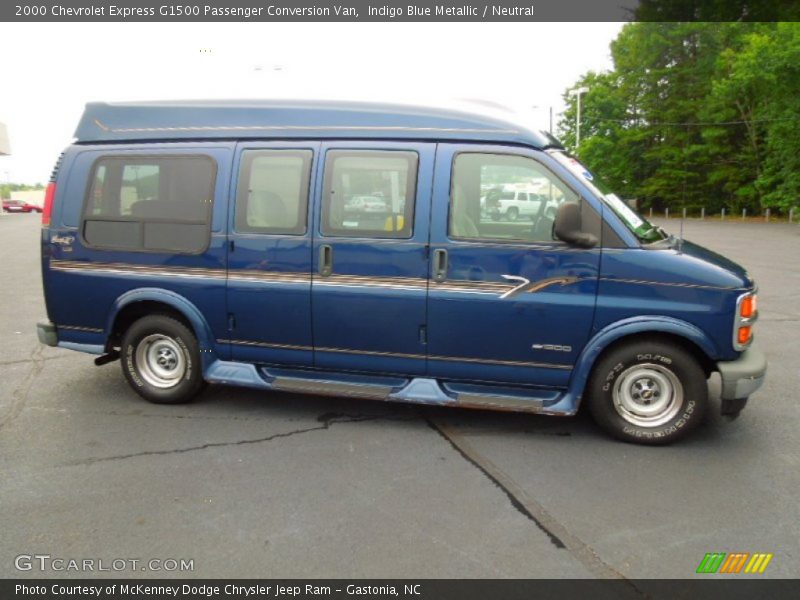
(161, 360)
(648, 392)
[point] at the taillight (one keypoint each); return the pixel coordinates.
(47, 210)
(746, 314)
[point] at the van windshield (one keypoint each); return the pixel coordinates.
(641, 227)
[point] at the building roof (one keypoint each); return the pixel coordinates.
(292, 119)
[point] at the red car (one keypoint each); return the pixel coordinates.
(19, 206)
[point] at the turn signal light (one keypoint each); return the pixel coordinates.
(744, 334)
(748, 307)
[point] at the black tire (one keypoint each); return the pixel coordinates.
(639, 377)
(512, 214)
(161, 360)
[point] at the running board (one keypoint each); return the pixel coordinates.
(418, 390)
(500, 402)
(328, 387)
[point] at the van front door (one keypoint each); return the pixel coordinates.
(370, 257)
(269, 255)
(506, 303)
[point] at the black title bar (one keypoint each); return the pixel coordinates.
(383, 589)
(395, 10)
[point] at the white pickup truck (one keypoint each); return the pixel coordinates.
(514, 204)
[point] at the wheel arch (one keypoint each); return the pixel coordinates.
(690, 337)
(147, 301)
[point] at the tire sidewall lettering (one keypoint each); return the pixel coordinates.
(130, 365)
(679, 422)
(187, 356)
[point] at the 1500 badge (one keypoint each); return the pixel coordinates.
(552, 347)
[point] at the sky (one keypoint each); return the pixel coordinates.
(50, 70)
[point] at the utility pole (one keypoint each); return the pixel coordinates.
(550, 108)
(577, 92)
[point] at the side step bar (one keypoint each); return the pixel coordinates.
(419, 390)
(327, 387)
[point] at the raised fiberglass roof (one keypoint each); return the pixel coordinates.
(282, 119)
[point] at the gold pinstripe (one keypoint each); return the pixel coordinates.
(254, 275)
(291, 277)
(671, 284)
(513, 363)
(387, 128)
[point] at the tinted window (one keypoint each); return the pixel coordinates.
(479, 180)
(369, 193)
(273, 191)
(150, 203)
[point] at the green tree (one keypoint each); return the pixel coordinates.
(7, 188)
(696, 114)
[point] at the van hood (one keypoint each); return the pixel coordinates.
(738, 274)
(684, 264)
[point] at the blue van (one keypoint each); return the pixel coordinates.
(356, 250)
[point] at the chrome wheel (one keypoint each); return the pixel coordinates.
(648, 395)
(161, 361)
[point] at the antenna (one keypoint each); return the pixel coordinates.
(680, 236)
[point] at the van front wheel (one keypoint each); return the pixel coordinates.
(161, 360)
(648, 392)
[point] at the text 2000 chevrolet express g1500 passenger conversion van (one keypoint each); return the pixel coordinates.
(341, 248)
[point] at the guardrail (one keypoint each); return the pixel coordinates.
(701, 214)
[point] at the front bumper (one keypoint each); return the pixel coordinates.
(48, 335)
(743, 376)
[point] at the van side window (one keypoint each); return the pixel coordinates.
(153, 203)
(504, 197)
(272, 195)
(369, 193)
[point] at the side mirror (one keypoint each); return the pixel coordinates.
(567, 226)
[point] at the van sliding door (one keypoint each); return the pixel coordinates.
(269, 253)
(370, 259)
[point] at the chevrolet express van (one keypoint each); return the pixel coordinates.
(340, 248)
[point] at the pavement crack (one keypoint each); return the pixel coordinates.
(22, 361)
(20, 395)
(556, 541)
(557, 533)
(326, 421)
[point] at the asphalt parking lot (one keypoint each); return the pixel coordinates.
(248, 484)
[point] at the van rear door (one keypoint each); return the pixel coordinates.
(134, 221)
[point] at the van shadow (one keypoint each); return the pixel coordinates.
(111, 395)
(242, 401)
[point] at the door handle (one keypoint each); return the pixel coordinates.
(439, 265)
(325, 260)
